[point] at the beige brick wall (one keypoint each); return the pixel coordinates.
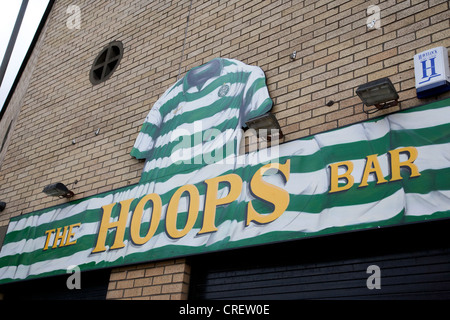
(167, 280)
(12, 108)
(335, 54)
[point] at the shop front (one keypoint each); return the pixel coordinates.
(303, 219)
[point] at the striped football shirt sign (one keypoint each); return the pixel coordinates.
(201, 116)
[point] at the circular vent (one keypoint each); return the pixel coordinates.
(106, 62)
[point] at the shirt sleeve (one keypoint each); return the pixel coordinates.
(145, 140)
(256, 100)
(150, 131)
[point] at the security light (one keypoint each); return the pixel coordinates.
(2, 206)
(379, 93)
(266, 121)
(58, 190)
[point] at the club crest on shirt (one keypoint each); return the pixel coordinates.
(223, 90)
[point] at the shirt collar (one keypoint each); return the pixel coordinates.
(198, 76)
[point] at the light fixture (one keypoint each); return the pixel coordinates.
(265, 122)
(380, 93)
(2, 206)
(58, 190)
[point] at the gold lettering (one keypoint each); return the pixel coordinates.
(120, 225)
(211, 201)
(137, 217)
(47, 240)
(59, 237)
(268, 192)
(172, 211)
(71, 234)
(372, 166)
(334, 183)
(396, 164)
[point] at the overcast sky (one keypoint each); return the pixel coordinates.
(8, 16)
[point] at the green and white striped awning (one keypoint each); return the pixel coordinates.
(30, 251)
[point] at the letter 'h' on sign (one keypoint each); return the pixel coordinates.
(425, 69)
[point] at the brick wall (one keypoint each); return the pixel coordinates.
(336, 53)
(9, 118)
(167, 280)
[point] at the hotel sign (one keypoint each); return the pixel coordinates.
(387, 171)
(432, 73)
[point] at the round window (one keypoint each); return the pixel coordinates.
(106, 62)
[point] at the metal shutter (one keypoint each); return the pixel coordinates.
(94, 286)
(414, 262)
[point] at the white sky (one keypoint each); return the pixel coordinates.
(8, 15)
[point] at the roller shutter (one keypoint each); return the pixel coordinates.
(94, 286)
(414, 263)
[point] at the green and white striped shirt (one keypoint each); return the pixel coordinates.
(198, 120)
